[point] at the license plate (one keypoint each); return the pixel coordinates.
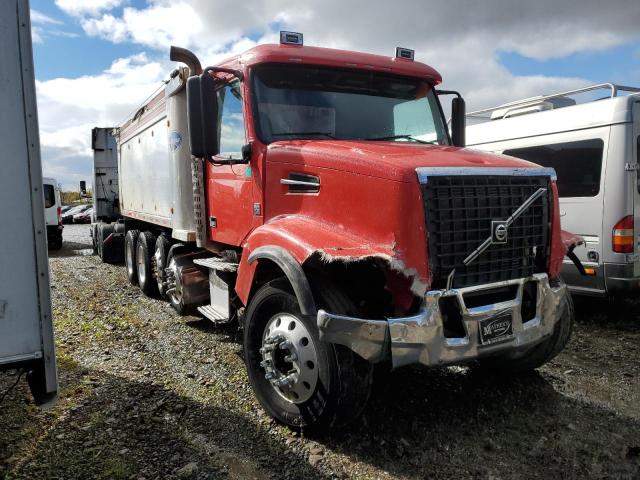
(495, 329)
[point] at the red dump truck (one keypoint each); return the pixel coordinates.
(317, 197)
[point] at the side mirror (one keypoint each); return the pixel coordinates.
(202, 116)
(458, 121)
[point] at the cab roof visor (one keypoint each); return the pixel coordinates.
(179, 54)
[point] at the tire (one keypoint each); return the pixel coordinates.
(94, 238)
(161, 250)
(130, 241)
(175, 299)
(104, 250)
(343, 379)
(145, 248)
(541, 353)
(56, 243)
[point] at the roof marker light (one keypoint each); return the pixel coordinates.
(405, 53)
(291, 38)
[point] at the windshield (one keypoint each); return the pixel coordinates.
(298, 102)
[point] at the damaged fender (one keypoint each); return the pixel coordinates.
(300, 237)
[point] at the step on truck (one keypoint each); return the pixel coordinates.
(26, 327)
(316, 197)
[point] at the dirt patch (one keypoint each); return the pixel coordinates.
(148, 394)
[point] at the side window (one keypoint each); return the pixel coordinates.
(232, 134)
(49, 196)
(577, 164)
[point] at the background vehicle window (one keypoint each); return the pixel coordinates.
(49, 196)
(577, 164)
(232, 134)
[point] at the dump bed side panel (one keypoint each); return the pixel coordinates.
(154, 162)
(144, 163)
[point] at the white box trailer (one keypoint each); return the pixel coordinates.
(26, 331)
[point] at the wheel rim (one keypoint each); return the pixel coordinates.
(174, 291)
(289, 358)
(140, 261)
(130, 259)
(159, 270)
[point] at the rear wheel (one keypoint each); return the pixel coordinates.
(106, 250)
(130, 240)
(160, 263)
(145, 248)
(174, 283)
(541, 353)
(299, 380)
(94, 238)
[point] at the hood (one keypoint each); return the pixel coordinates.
(390, 160)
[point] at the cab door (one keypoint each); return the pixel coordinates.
(229, 187)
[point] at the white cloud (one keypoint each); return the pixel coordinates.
(69, 108)
(42, 19)
(87, 7)
(461, 39)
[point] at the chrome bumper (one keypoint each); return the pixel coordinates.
(421, 338)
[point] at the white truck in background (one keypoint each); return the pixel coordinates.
(106, 205)
(52, 212)
(26, 330)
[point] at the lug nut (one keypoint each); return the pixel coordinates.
(268, 376)
(268, 347)
(291, 358)
(285, 345)
(265, 363)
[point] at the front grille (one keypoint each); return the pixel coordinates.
(459, 210)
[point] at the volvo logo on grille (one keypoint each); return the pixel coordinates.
(499, 232)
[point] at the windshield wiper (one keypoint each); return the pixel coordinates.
(324, 134)
(406, 137)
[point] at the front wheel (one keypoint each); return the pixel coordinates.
(299, 380)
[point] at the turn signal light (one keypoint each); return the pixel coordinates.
(623, 237)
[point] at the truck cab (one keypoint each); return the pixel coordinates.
(317, 197)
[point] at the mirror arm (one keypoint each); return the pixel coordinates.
(448, 92)
(236, 73)
(246, 157)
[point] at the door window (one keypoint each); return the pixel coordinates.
(232, 133)
(49, 196)
(577, 164)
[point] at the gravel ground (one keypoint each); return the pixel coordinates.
(148, 394)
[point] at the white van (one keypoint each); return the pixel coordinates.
(593, 146)
(52, 213)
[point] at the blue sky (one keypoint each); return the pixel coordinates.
(96, 60)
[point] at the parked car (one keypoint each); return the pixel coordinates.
(68, 217)
(52, 213)
(66, 208)
(84, 216)
(594, 148)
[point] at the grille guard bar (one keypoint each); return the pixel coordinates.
(420, 339)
